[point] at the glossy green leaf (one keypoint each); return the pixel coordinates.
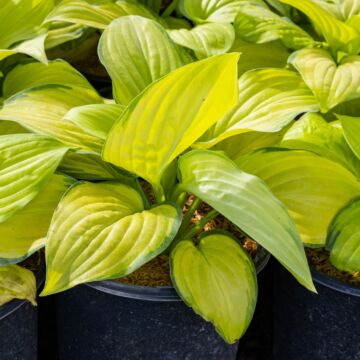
(28, 162)
(96, 14)
(205, 40)
(218, 280)
(21, 19)
(200, 11)
(102, 231)
(343, 240)
(170, 115)
(255, 56)
(339, 35)
(41, 110)
(331, 83)
(25, 232)
(313, 133)
(247, 202)
(312, 188)
(95, 119)
(17, 283)
(255, 22)
(29, 75)
(351, 126)
(136, 52)
(269, 99)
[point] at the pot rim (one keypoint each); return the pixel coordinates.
(161, 293)
(13, 305)
(335, 284)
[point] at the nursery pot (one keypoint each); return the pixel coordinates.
(110, 320)
(323, 326)
(18, 328)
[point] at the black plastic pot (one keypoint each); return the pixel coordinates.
(111, 321)
(307, 326)
(18, 328)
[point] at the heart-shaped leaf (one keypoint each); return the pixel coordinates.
(218, 280)
(269, 99)
(17, 283)
(255, 22)
(313, 133)
(330, 83)
(25, 232)
(205, 40)
(28, 162)
(41, 110)
(343, 240)
(312, 187)
(136, 52)
(247, 202)
(101, 231)
(201, 11)
(351, 126)
(339, 35)
(170, 115)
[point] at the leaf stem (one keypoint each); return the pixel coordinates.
(170, 8)
(198, 227)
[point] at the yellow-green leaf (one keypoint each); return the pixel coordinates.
(351, 126)
(218, 280)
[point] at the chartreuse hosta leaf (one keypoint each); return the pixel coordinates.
(312, 187)
(25, 232)
(96, 14)
(254, 56)
(28, 162)
(218, 280)
(154, 5)
(349, 8)
(269, 99)
(170, 115)
(351, 126)
(95, 119)
(20, 21)
(41, 110)
(29, 75)
(200, 11)
(255, 22)
(102, 231)
(343, 240)
(17, 283)
(248, 203)
(339, 35)
(331, 83)
(313, 133)
(10, 127)
(205, 40)
(136, 51)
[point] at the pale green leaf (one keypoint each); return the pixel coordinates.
(349, 8)
(17, 283)
(313, 133)
(41, 110)
(205, 40)
(351, 126)
(174, 23)
(343, 240)
(136, 52)
(218, 280)
(269, 99)
(25, 232)
(255, 22)
(28, 162)
(312, 188)
(248, 203)
(331, 83)
(200, 11)
(339, 35)
(29, 75)
(60, 33)
(254, 56)
(95, 119)
(102, 231)
(171, 115)
(97, 14)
